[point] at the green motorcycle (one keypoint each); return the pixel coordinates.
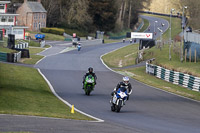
(89, 84)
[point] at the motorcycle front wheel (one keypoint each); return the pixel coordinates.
(88, 90)
(118, 107)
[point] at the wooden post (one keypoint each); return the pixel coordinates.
(185, 55)
(182, 51)
(195, 56)
(190, 54)
(170, 51)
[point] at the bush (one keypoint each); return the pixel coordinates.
(45, 30)
(60, 31)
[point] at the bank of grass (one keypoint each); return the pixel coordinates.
(54, 37)
(3, 46)
(6, 50)
(24, 92)
(145, 26)
(112, 40)
(121, 57)
(162, 59)
(48, 36)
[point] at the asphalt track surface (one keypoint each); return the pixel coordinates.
(149, 110)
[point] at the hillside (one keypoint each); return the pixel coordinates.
(164, 6)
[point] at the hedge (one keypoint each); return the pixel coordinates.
(57, 31)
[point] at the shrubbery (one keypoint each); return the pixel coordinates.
(60, 31)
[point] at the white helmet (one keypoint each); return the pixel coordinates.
(126, 80)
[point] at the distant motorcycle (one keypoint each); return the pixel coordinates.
(118, 99)
(79, 47)
(89, 84)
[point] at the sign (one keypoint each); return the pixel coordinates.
(141, 35)
(146, 43)
(150, 69)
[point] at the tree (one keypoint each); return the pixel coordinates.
(52, 8)
(77, 14)
(127, 15)
(103, 13)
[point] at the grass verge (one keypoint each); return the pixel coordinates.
(145, 26)
(33, 56)
(121, 57)
(23, 91)
(112, 40)
(48, 36)
(162, 59)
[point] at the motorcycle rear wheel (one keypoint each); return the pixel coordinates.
(113, 107)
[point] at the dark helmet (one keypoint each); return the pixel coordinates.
(90, 69)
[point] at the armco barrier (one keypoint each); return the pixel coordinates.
(22, 45)
(10, 57)
(3, 56)
(174, 77)
(17, 56)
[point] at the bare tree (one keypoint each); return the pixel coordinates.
(120, 11)
(52, 8)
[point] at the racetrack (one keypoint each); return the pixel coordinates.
(149, 110)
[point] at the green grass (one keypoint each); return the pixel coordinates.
(6, 50)
(48, 36)
(3, 46)
(126, 55)
(112, 40)
(53, 37)
(33, 43)
(145, 26)
(162, 59)
(24, 92)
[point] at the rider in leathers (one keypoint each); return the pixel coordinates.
(90, 72)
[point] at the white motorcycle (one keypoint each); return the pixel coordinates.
(118, 99)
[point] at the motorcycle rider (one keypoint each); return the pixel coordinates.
(124, 84)
(90, 72)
